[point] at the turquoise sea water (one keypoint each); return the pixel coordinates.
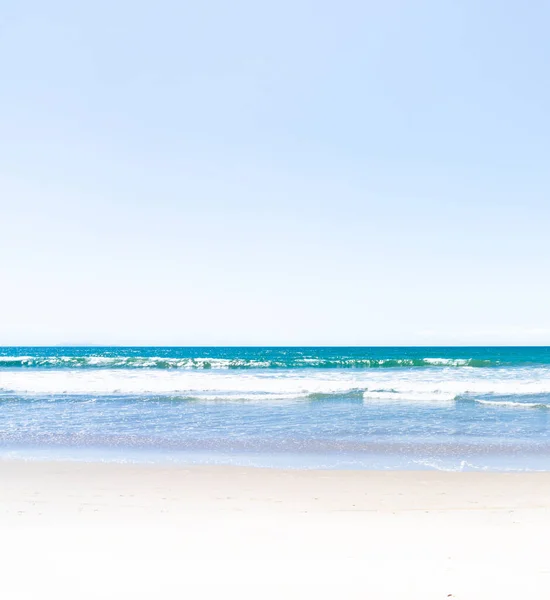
(443, 408)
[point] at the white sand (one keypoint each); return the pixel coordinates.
(77, 530)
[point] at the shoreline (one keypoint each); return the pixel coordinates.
(108, 530)
(376, 457)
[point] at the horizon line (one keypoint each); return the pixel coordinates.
(101, 345)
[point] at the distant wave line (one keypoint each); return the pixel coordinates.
(161, 363)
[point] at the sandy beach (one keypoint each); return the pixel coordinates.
(82, 530)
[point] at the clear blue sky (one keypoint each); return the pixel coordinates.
(275, 172)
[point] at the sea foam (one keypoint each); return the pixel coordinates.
(440, 386)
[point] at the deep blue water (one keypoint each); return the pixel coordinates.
(450, 408)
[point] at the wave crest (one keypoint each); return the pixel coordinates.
(206, 363)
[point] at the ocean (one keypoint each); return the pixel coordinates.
(452, 408)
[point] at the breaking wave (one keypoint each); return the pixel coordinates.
(443, 386)
(512, 404)
(205, 363)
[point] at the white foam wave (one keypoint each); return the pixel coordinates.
(439, 465)
(200, 384)
(131, 362)
(447, 362)
(435, 396)
(377, 385)
(160, 362)
(512, 404)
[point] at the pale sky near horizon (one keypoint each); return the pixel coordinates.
(283, 172)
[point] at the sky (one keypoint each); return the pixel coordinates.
(278, 173)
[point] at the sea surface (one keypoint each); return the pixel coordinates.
(373, 408)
